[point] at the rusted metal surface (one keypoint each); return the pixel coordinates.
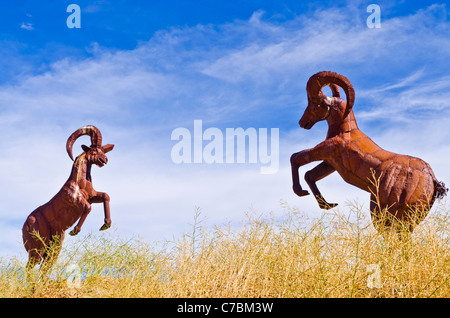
(403, 186)
(45, 227)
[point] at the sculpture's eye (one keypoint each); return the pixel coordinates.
(319, 108)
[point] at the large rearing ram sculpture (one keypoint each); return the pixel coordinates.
(403, 188)
(43, 231)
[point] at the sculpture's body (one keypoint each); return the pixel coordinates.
(43, 231)
(404, 186)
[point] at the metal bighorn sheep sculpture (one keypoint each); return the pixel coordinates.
(402, 187)
(43, 231)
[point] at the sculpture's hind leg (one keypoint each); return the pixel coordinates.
(385, 220)
(34, 258)
(42, 244)
(51, 253)
(35, 232)
(381, 218)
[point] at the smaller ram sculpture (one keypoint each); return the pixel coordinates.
(44, 229)
(403, 188)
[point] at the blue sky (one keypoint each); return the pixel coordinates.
(139, 69)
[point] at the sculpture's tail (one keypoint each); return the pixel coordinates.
(439, 189)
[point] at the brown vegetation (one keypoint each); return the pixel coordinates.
(334, 254)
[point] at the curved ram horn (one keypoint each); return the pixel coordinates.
(321, 79)
(92, 131)
(335, 90)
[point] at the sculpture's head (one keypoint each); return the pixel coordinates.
(96, 153)
(320, 106)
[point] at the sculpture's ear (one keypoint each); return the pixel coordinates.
(330, 102)
(85, 148)
(107, 148)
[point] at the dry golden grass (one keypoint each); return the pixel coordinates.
(335, 254)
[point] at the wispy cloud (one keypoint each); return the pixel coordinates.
(27, 26)
(409, 100)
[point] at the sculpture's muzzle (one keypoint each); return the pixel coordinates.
(306, 122)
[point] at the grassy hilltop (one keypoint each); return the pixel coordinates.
(336, 254)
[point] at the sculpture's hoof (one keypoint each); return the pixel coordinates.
(327, 206)
(302, 193)
(74, 232)
(105, 226)
(299, 191)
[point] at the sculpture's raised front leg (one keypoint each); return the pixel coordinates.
(296, 180)
(312, 176)
(324, 150)
(102, 197)
(77, 228)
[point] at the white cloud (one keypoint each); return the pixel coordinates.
(334, 38)
(418, 99)
(27, 26)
